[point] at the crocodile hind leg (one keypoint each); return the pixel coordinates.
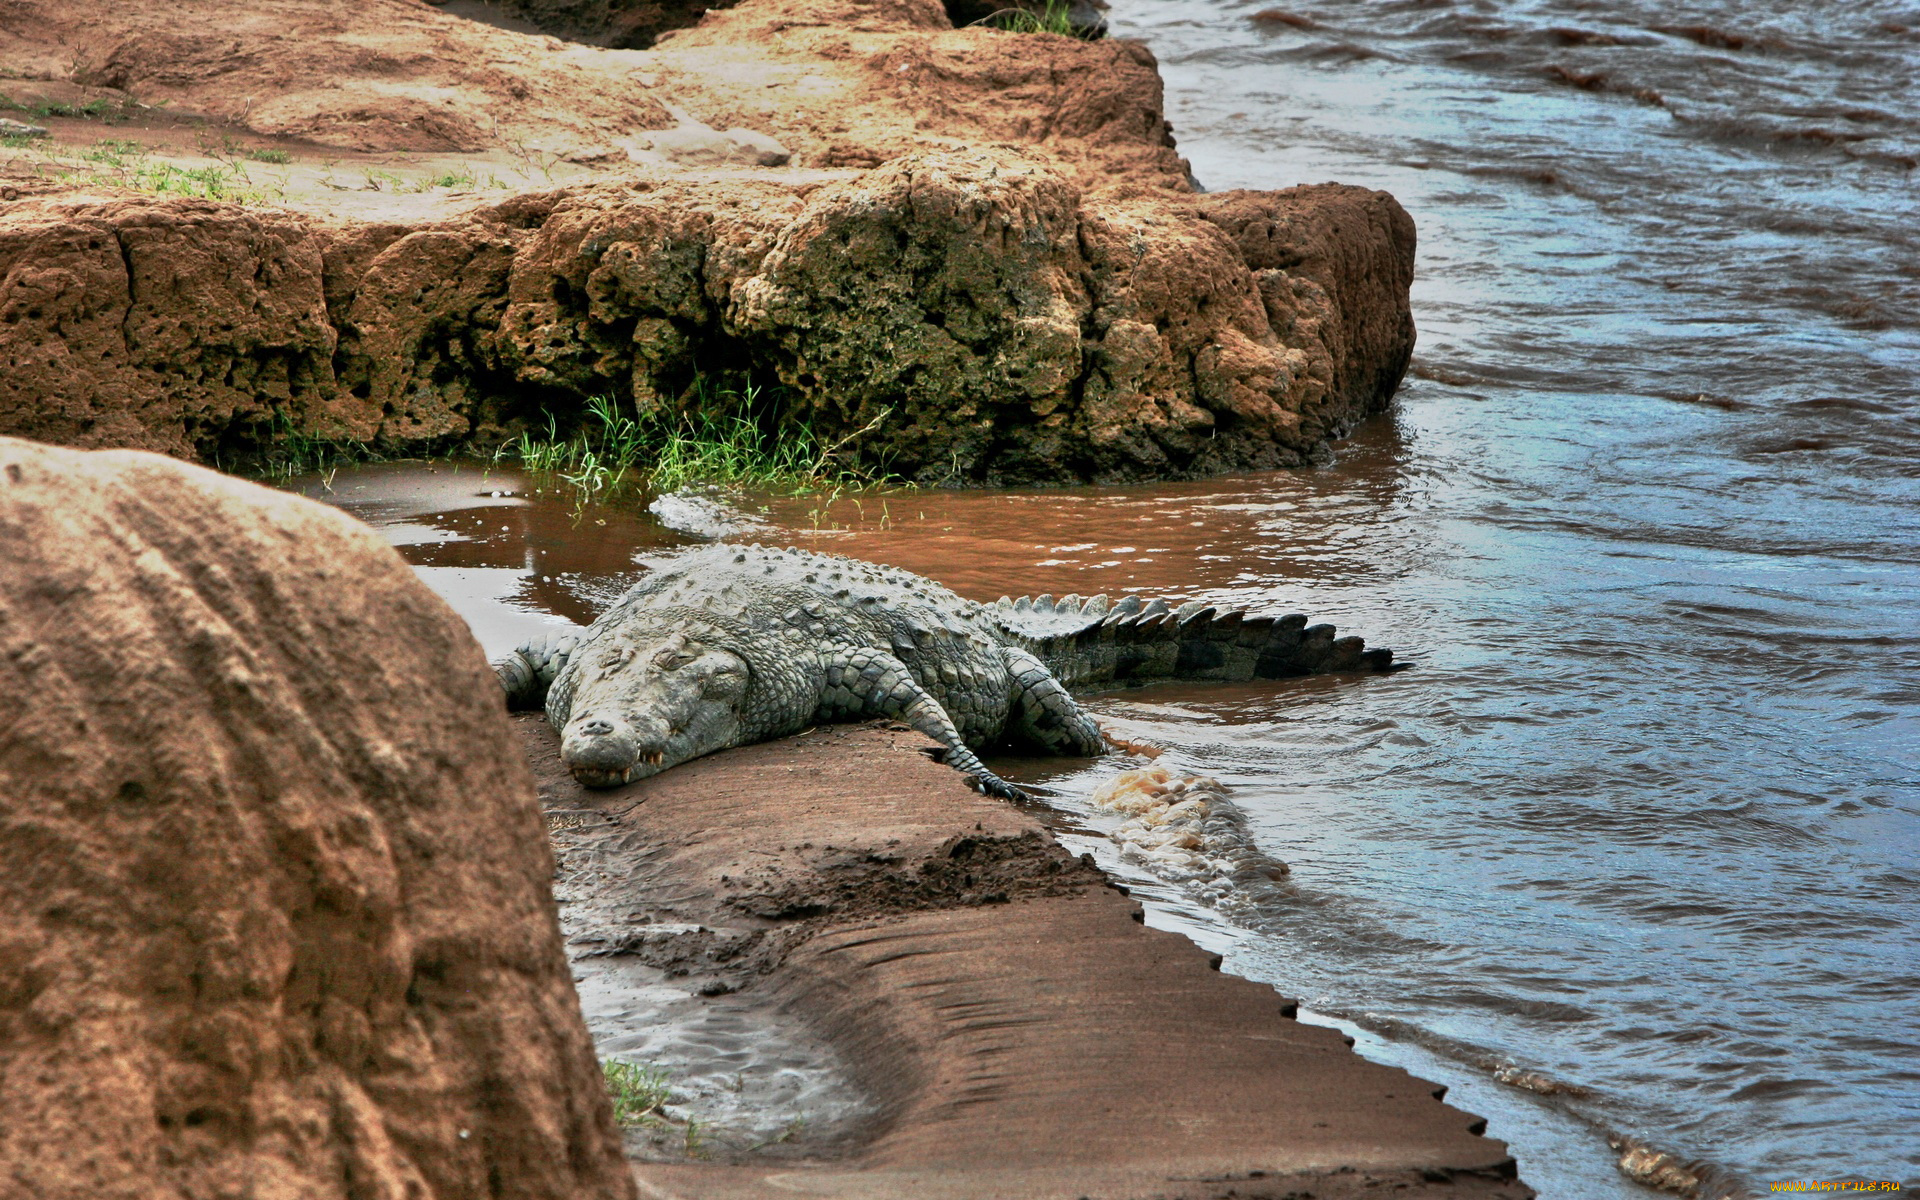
(1044, 715)
(870, 682)
(528, 672)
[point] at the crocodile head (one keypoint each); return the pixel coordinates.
(639, 707)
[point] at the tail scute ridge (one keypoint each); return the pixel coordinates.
(1134, 640)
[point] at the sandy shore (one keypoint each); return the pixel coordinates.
(973, 1011)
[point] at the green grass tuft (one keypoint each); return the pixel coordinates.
(98, 109)
(277, 157)
(638, 1093)
(289, 452)
(124, 165)
(1056, 17)
(716, 441)
(114, 152)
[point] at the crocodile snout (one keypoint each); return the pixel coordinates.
(604, 751)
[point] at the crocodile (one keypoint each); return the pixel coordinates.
(723, 645)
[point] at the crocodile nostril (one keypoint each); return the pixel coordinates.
(596, 727)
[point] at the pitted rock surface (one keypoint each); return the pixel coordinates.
(276, 882)
(983, 262)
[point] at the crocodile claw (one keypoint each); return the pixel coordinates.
(993, 785)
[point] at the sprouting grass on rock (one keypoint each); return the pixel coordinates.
(1056, 17)
(114, 152)
(640, 1095)
(218, 182)
(121, 163)
(288, 452)
(715, 442)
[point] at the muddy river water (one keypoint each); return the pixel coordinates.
(1640, 834)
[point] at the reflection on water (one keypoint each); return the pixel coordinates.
(1643, 825)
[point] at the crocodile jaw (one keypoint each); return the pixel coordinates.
(583, 765)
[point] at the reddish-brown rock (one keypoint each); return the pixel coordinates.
(985, 259)
(1334, 266)
(275, 881)
(989, 320)
(159, 324)
(370, 75)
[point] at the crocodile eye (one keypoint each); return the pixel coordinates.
(672, 658)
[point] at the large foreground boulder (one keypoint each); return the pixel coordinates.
(274, 882)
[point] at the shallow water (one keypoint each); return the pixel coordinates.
(1644, 824)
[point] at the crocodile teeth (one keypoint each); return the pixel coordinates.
(1043, 602)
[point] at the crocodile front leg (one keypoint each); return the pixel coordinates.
(1042, 713)
(872, 682)
(528, 672)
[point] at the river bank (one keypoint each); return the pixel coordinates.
(998, 1019)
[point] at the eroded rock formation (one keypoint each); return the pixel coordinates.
(275, 881)
(984, 252)
(997, 323)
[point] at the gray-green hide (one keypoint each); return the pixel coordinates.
(724, 645)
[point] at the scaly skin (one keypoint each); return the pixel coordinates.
(726, 645)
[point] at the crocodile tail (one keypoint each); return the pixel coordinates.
(1133, 640)
(528, 672)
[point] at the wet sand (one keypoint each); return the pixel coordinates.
(975, 1011)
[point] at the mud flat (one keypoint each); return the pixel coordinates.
(1001, 1021)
